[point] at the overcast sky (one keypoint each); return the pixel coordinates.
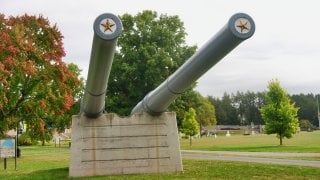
(285, 46)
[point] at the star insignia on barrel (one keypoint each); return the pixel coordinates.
(107, 26)
(243, 26)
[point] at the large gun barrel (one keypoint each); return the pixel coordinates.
(107, 28)
(239, 28)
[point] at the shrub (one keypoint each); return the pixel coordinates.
(24, 140)
(305, 125)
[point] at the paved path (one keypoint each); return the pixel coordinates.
(263, 157)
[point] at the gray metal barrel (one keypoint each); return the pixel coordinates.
(239, 28)
(107, 28)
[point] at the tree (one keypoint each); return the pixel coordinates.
(226, 111)
(238, 109)
(190, 126)
(305, 125)
(279, 114)
(36, 86)
(63, 121)
(151, 48)
(248, 105)
(206, 114)
(189, 99)
(308, 109)
(221, 115)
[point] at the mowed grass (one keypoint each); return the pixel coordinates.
(52, 163)
(301, 142)
(36, 162)
(48, 162)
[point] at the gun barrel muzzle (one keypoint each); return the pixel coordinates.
(107, 28)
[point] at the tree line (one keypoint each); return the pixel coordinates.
(242, 108)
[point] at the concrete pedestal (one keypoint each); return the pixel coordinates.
(124, 145)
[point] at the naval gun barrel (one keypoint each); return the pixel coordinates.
(107, 28)
(239, 28)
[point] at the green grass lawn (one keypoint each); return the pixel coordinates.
(52, 163)
(301, 142)
(48, 162)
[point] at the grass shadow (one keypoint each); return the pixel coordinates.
(58, 173)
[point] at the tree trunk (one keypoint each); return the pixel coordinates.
(43, 141)
(280, 136)
(190, 141)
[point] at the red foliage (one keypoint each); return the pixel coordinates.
(13, 50)
(37, 83)
(68, 101)
(43, 103)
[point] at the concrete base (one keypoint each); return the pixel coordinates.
(130, 145)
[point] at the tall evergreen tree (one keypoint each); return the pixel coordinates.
(308, 109)
(248, 105)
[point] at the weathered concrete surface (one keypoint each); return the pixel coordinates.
(124, 145)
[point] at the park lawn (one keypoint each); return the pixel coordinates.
(300, 142)
(48, 162)
(52, 163)
(35, 158)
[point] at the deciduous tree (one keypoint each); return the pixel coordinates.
(190, 126)
(151, 48)
(206, 114)
(35, 84)
(279, 114)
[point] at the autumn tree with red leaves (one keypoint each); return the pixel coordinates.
(35, 85)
